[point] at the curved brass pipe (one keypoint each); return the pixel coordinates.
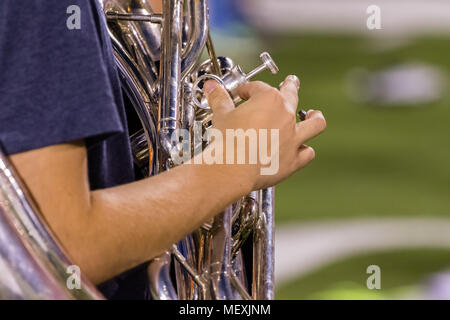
(33, 264)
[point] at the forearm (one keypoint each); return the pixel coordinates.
(129, 224)
(108, 231)
(111, 230)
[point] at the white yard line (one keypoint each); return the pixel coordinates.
(303, 247)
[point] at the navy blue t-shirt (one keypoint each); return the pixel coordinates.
(59, 85)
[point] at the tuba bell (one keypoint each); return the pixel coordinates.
(158, 59)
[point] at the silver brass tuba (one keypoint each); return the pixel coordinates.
(158, 58)
(230, 257)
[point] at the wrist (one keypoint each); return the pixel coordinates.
(236, 178)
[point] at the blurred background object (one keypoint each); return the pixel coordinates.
(378, 192)
(399, 17)
(406, 84)
(233, 35)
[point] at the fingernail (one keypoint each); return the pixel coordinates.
(294, 79)
(209, 86)
(281, 84)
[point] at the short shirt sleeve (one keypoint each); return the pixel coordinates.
(54, 84)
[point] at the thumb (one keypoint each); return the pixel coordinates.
(218, 98)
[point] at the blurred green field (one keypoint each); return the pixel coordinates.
(372, 161)
(404, 274)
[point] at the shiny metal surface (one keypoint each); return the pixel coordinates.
(170, 69)
(268, 64)
(230, 79)
(158, 271)
(33, 264)
(220, 265)
(209, 263)
(157, 56)
(198, 36)
(263, 244)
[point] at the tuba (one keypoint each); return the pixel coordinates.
(158, 59)
(33, 264)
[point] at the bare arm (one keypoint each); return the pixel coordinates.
(112, 230)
